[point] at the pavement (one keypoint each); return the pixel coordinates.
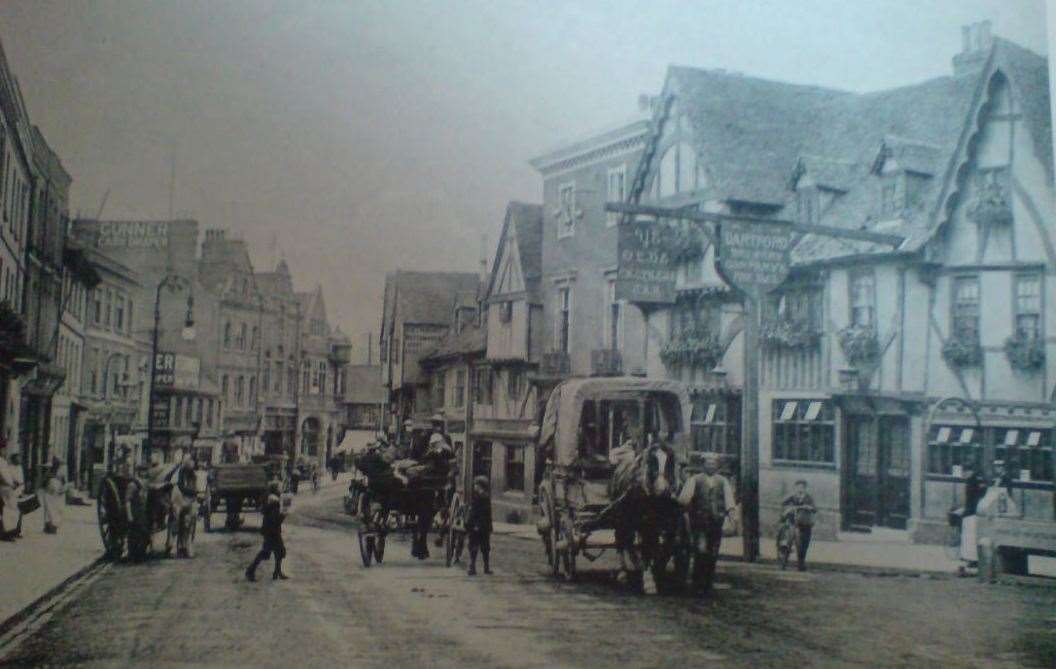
(38, 563)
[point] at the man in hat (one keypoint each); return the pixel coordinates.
(273, 514)
(707, 498)
(800, 499)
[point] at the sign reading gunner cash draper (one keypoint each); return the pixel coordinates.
(753, 256)
(645, 272)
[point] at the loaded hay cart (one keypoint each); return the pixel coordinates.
(584, 421)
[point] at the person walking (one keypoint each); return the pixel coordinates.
(53, 496)
(707, 497)
(10, 482)
(273, 513)
(798, 508)
(478, 526)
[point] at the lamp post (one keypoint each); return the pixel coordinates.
(173, 282)
(114, 355)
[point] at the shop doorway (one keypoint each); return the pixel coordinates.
(876, 479)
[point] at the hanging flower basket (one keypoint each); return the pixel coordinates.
(859, 344)
(1026, 354)
(789, 333)
(12, 332)
(962, 351)
(686, 245)
(697, 348)
(991, 206)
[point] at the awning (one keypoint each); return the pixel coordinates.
(355, 442)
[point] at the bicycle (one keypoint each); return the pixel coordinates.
(788, 534)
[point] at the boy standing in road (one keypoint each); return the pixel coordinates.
(271, 528)
(478, 526)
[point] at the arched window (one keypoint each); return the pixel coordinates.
(242, 337)
(227, 335)
(678, 170)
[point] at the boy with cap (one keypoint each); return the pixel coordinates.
(271, 528)
(478, 526)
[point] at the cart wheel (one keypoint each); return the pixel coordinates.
(784, 549)
(366, 547)
(455, 535)
(379, 548)
(556, 555)
(207, 515)
(680, 556)
(111, 524)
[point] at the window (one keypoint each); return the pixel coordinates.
(951, 447)
(239, 388)
(97, 307)
(863, 305)
(227, 335)
(278, 378)
(209, 413)
(514, 383)
(678, 170)
(119, 314)
(252, 390)
(224, 387)
(256, 338)
(483, 385)
(716, 425)
(265, 383)
(964, 317)
(460, 387)
(130, 318)
(566, 210)
(889, 197)
(188, 412)
(242, 337)
(1027, 453)
(439, 390)
(616, 191)
(515, 468)
(803, 431)
(107, 306)
(505, 311)
(798, 305)
(564, 318)
(807, 200)
(1028, 306)
(614, 316)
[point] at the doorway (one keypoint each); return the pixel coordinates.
(876, 474)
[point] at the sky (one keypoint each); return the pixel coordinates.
(357, 138)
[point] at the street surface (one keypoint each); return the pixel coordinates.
(334, 612)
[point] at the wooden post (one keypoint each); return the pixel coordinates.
(750, 430)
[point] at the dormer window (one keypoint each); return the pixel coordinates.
(889, 201)
(807, 204)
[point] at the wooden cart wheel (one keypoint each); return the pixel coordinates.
(555, 539)
(784, 547)
(379, 548)
(455, 535)
(568, 557)
(111, 524)
(366, 547)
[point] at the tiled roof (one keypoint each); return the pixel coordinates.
(757, 136)
(363, 385)
(470, 340)
(426, 297)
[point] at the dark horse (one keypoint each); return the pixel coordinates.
(419, 498)
(645, 488)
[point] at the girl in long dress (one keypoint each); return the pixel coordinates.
(53, 496)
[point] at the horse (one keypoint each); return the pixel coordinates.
(169, 503)
(646, 507)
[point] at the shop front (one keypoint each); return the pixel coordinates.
(503, 450)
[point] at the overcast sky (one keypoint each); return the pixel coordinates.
(370, 136)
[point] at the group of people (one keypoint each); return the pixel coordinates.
(15, 501)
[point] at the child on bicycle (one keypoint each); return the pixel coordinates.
(799, 500)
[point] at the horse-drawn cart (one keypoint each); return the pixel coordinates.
(234, 488)
(131, 511)
(613, 450)
(387, 505)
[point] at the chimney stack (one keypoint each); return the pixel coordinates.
(976, 41)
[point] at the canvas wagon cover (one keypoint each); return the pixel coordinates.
(561, 418)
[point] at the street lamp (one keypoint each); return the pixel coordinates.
(173, 282)
(115, 355)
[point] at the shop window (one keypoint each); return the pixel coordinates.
(482, 459)
(803, 431)
(951, 448)
(716, 425)
(515, 468)
(439, 390)
(1027, 453)
(482, 388)
(964, 316)
(1028, 306)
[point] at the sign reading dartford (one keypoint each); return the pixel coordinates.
(753, 256)
(646, 273)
